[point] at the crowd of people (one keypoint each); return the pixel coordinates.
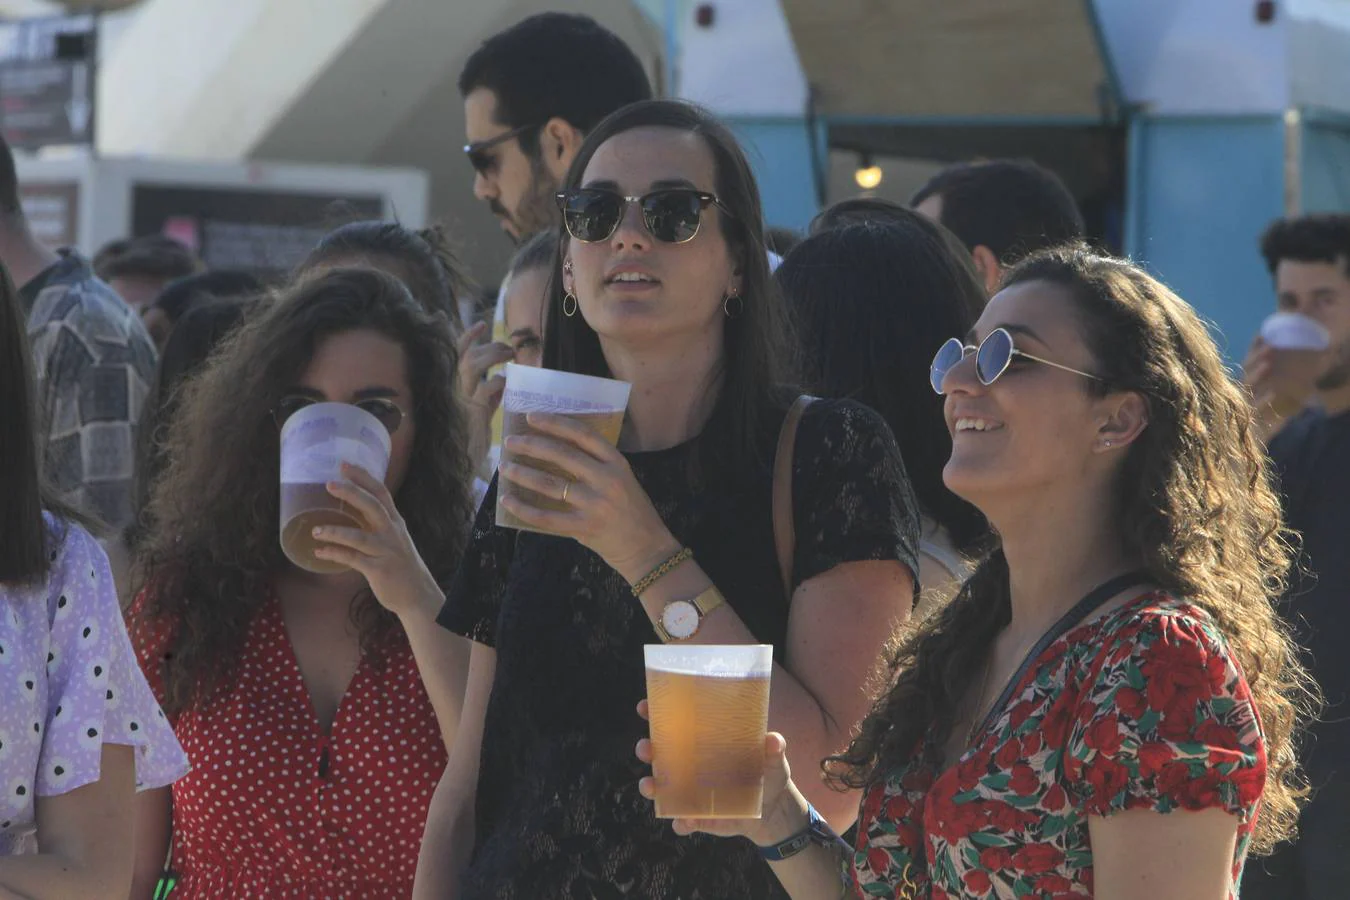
(1060, 616)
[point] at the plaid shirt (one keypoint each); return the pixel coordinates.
(95, 363)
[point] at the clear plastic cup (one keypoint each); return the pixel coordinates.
(708, 705)
(1294, 331)
(315, 442)
(600, 402)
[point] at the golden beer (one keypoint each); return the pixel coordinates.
(607, 423)
(316, 508)
(707, 733)
(315, 442)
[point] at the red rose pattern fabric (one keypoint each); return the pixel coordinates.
(1143, 708)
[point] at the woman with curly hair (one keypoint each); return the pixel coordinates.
(298, 696)
(1135, 743)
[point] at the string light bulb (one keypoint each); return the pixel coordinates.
(868, 176)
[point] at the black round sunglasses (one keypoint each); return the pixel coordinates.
(672, 215)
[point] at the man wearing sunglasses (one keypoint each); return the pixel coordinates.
(531, 94)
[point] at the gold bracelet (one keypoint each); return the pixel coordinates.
(645, 583)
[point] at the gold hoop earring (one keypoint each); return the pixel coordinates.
(571, 310)
(730, 311)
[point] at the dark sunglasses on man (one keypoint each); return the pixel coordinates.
(672, 215)
(992, 358)
(484, 162)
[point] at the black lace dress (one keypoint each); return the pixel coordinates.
(558, 810)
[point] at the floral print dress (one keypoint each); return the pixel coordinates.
(1142, 708)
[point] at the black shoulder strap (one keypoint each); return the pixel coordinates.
(1080, 611)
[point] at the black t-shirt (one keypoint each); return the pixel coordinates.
(558, 812)
(1312, 458)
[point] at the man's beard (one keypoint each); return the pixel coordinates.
(537, 210)
(1338, 376)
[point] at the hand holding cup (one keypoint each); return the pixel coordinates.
(480, 394)
(783, 809)
(1284, 364)
(382, 551)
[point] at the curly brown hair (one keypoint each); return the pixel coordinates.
(206, 566)
(1195, 503)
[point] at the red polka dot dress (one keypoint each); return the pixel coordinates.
(275, 808)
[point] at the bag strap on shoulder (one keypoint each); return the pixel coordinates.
(784, 535)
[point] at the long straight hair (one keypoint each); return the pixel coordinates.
(755, 365)
(26, 544)
(872, 302)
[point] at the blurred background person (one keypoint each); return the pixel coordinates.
(80, 731)
(531, 95)
(1003, 210)
(859, 209)
(872, 302)
(94, 365)
(422, 259)
(183, 294)
(673, 295)
(523, 290)
(1309, 258)
(298, 696)
(138, 269)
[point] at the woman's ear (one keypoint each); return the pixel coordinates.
(1125, 416)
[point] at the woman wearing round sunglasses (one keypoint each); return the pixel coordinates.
(314, 745)
(1107, 708)
(664, 284)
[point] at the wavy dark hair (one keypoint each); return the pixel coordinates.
(424, 259)
(1195, 504)
(872, 301)
(197, 334)
(756, 359)
(215, 545)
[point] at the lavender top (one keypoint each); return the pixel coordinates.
(69, 684)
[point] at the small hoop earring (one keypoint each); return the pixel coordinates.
(739, 307)
(569, 298)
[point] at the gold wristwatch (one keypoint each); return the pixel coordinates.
(680, 620)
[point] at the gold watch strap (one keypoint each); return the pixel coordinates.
(707, 601)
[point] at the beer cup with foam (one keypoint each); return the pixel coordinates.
(315, 442)
(708, 706)
(599, 402)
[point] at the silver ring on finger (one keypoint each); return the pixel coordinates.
(567, 486)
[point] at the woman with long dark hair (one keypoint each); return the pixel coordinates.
(872, 302)
(1107, 708)
(297, 696)
(423, 259)
(663, 282)
(79, 729)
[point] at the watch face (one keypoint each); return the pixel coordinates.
(680, 619)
